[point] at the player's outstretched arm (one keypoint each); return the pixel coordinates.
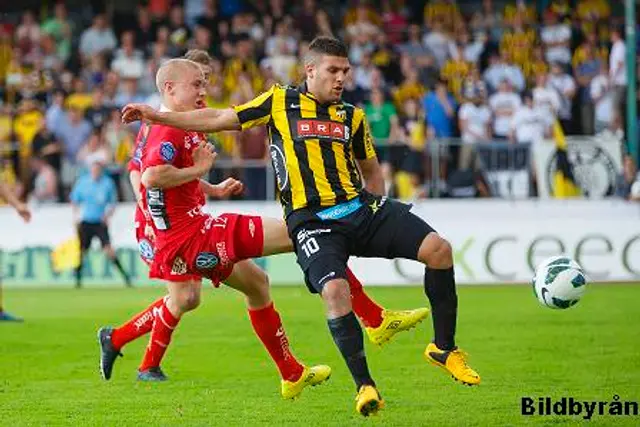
(167, 176)
(21, 208)
(202, 120)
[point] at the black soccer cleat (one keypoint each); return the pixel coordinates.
(154, 374)
(108, 353)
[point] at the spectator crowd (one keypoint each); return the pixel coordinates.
(471, 72)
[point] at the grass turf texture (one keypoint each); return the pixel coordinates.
(220, 374)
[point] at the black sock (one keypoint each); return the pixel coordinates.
(440, 287)
(79, 276)
(116, 262)
(79, 272)
(347, 334)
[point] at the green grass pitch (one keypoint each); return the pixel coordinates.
(220, 374)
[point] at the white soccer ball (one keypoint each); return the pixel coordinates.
(559, 282)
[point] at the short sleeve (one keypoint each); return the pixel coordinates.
(257, 111)
(362, 143)
(76, 192)
(165, 149)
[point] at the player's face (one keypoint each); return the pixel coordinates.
(189, 92)
(328, 76)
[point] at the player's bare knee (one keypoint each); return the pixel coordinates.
(191, 301)
(436, 252)
(260, 292)
(187, 298)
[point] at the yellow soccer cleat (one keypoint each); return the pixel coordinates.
(394, 322)
(368, 401)
(310, 377)
(454, 362)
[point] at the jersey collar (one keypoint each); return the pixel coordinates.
(305, 90)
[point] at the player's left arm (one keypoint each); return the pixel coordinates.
(365, 154)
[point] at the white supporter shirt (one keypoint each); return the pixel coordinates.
(604, 106)
(529, 124)
(562, 83)
(618, 54)
(478, 118)
(548, 100)
(556, 34)
(503, 105)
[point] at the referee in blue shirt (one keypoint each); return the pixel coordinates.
(93, 198)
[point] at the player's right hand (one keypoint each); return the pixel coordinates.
(135, 112)
(204, 155)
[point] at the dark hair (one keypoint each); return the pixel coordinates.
(198, 55)
(325, 45)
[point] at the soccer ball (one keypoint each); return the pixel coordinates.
(559, 282)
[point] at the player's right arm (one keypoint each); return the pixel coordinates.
(253, 113)
(21, 208)
(365, 154)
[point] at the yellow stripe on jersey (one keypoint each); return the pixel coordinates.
(281, 123)
(341, 158)
(257, 111)
(362, 143)
(314, 154)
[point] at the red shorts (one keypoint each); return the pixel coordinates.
(210, 250)
(146, 247)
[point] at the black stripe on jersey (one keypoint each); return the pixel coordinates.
(329, 160)
(275, 139)
(353, 168)
(293, 115)
(256, 112)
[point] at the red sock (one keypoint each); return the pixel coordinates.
(364, 307)
(268, 326)
(163, 326)
(136, 327)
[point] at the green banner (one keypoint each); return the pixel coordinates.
(32, 267)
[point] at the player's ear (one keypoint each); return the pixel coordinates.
(310, 69)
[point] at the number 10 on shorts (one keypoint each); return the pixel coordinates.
(310, 246)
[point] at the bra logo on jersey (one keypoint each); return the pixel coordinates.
(323, 129)
(206, 260)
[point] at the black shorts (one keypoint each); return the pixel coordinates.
(367, 226)
(88, 230)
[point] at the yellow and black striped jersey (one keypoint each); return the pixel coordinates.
(314, 146)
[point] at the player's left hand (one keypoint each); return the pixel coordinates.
(230, 187)
(24, 212)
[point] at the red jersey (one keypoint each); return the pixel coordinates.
(176, 212)
(191, 244)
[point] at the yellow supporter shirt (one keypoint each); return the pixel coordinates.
(455, 72)
(79, 101)
(26, 126)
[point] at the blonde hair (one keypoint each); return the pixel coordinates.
(172, 70)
